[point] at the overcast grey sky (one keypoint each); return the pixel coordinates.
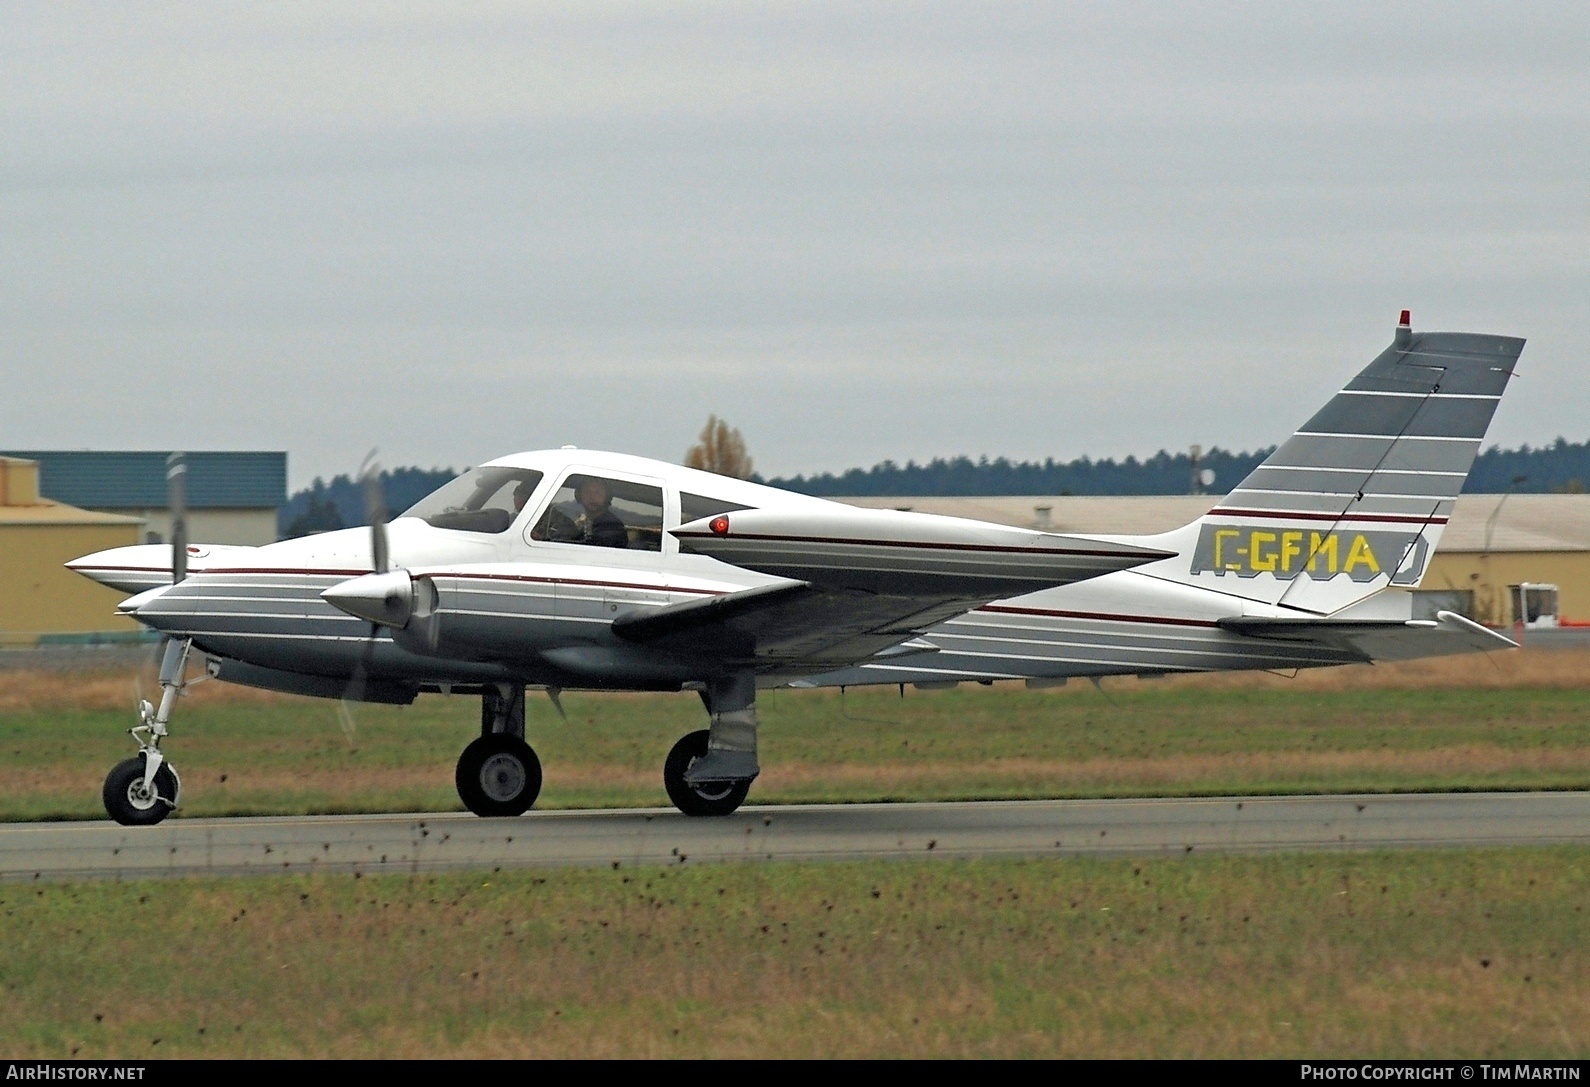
(857, 231)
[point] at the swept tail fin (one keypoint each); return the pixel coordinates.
(1357, 499)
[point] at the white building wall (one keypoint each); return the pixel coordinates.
(252, 527)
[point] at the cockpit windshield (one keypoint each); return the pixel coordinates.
(480, 500)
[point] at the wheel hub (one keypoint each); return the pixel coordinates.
(502, 777)
(711, 790)
(139, 796)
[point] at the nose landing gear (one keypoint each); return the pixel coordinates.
(143, 790)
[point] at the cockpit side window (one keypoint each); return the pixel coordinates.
(481, 500)
(603, 512)
(693, 507)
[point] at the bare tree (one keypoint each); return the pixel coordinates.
(719, 449)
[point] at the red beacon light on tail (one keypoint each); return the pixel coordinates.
(719, 525)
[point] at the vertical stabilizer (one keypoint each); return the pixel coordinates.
(1358, 497)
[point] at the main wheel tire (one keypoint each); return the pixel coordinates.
(713, 798)
(498, 774)
(129, 803)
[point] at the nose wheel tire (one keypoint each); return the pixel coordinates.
(129, 803)
(707, 798)
(498, 774)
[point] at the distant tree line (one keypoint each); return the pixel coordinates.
(1562, 466)
(1163, 473)
(323, 507)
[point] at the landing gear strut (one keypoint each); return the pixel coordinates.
(499, 774)
(145, 788)
(710, 772)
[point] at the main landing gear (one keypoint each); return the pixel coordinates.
(143, 790)
(499, 774)
(707, 773)
(711, 771)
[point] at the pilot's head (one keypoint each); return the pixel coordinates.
(522, 493)
(593, 495)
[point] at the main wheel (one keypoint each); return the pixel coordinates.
(129, 803)
(711, 798)
(498, 774)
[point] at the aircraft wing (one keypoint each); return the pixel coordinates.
(896, 551)
(861, 582)
(1380, 639)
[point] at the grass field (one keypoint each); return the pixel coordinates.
(1511, 721)
(1431, 953)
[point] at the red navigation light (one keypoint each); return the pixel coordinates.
(1407, 319)
(719, 525)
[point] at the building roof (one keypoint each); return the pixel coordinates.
(137, 480)
(47, 513)
(1480, 522)
(1519, 522)
(20, 503)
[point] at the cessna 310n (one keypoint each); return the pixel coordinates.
(573, 569)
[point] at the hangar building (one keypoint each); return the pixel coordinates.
(41, 600)
(232, 496)
(1492, 544)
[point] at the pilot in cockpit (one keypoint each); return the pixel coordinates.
(598, 524)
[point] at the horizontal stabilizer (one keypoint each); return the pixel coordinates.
(894, 551)
(1379, 639)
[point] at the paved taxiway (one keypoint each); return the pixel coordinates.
(413, 843)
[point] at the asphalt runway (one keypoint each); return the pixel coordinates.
(426, 843)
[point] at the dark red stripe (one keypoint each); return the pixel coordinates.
(1293, 515)
(1145, 556)
(1163, 620)
(282, 570)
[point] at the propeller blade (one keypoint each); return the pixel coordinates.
(352, 695)
(376, 512)
(380, 562)
(177, 505)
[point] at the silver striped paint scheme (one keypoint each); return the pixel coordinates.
(277, 620)
(1398, 441)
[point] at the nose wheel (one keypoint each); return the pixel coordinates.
(134, 801)
(498, 774)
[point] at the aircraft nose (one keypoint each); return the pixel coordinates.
(130, 569)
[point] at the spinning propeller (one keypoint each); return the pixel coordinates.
(177, 510)
(380, 562)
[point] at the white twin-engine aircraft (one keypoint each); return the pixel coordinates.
(573, 569)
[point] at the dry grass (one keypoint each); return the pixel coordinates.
(1537, 668)
(1413, 726)
(27, 689)
(31, 690)
(1426, 954)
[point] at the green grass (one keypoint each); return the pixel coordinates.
(257, 755)
(1474, 953)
